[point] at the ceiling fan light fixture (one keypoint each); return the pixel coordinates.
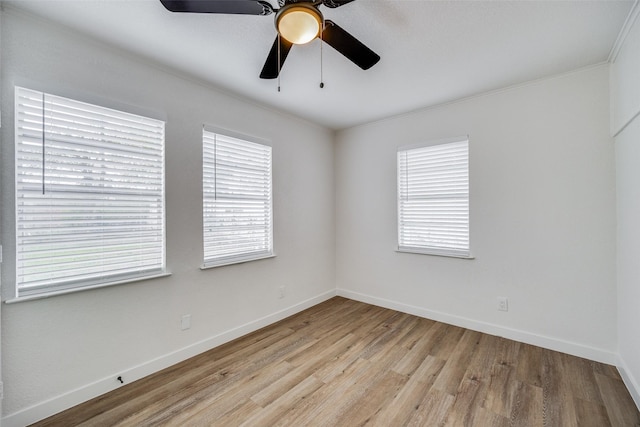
(299, 23)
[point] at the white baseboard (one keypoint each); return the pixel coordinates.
(69, 399)
(550, 343)
(632, 383)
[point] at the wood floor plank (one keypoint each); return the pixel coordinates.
(527, 406)
(358, 327)
(466, 404)
(620, 407)
(417, 333)
(326, 397)
(591, 414)
(388, 350)
(419, 349)
(297, 374)
(445, 340)
(608, 370)
(369, 399)
(217, 406)
(485, 418)
(244, 411)
(386, 333)
(453, 372)
(290, 399)
(502, 387)
(582, 377)
(530, 365)
(433, 410)
(558, 397)
(343, 402)
(476, 384)
(346, 363)
(409, 399)
(339, 363)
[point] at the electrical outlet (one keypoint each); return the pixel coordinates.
(281, 291)
(186, 322)
(503, 304)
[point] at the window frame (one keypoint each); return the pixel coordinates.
(433, 249)
(101, 145)
(244, 257)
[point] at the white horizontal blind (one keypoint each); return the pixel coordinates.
(89, 194)
(237, 207)
(433, 199)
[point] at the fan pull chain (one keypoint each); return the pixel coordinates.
(321, 43)
(278, 61)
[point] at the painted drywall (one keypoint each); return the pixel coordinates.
(60, 350)
(542, 204)
(625, 69)
(1, 210)
(628, 205)
(625, 100)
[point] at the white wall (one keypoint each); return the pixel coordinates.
(625, 102)
(542, 216)
(62, 350)
(1, 215)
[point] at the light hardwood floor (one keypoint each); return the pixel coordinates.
(345, 363)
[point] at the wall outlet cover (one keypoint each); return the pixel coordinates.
(185, 323)
(503, 304)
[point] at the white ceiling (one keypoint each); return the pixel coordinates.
(432, 51)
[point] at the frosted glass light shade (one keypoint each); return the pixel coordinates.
(299, 24)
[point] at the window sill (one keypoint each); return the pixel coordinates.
(232, 261)
(433, 253)
(55, 293)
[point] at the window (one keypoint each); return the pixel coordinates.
(89, 195)
(433, 198)
(237, 208)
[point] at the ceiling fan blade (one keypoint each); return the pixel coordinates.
(335, 3)
(236, 7)
(270, 69)
(349, 46)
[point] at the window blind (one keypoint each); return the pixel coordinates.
(433, 199)
(89, 194)
(237, 205)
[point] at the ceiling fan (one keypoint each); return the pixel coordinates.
(297, 22)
